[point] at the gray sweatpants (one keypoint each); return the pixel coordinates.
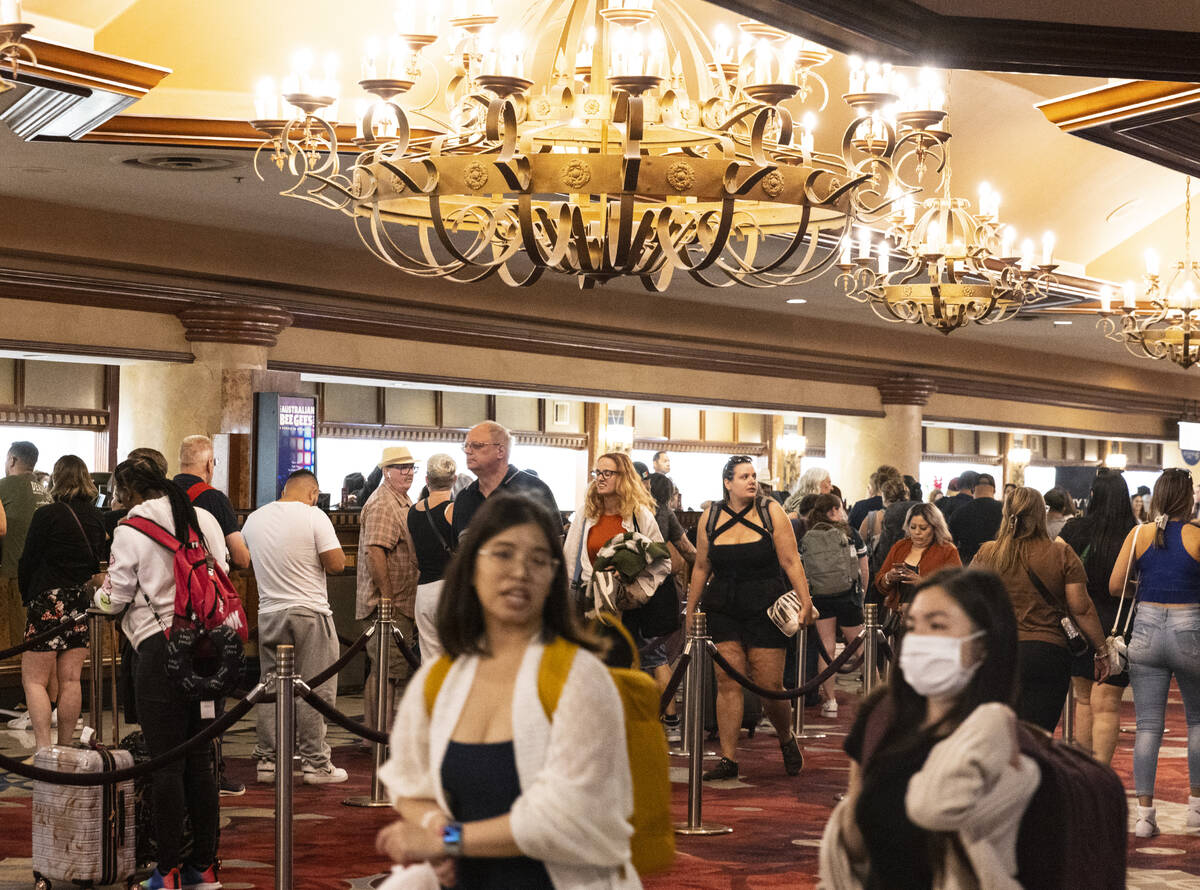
(316, 646)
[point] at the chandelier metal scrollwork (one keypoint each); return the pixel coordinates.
(641, 151)
(954, 267)
(13, 50)
(1165, 322)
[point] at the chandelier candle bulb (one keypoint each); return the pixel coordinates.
(1007, 241)
(1152, 262)
(10, 12)
(885, 256)
(864, 244)
(1047, 248)
(847, 253)
(1027, 254)
(858, 77)
(1106, 299)
(1130, 295)
(266, 99)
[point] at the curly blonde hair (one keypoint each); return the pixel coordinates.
(630, 490)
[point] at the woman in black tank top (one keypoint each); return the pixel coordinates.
(747, 557)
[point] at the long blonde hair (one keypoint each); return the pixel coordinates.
(1022, 522)
(630, 490)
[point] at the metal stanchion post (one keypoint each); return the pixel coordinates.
(697, 669)
(383, 640)
(285, 747)
(798, 729)
(96, 680)
(870, 663)
(685, 737)
(114, 638)
(1068, 716)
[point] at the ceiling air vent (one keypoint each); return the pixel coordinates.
(174, 163)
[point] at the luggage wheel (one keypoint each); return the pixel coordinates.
(40, 882)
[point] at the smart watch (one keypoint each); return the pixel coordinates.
(452, 839)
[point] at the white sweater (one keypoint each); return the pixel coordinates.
(648, 581)
(576, 791)
(139, 568)
(968, 784)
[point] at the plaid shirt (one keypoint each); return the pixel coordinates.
(384, 523)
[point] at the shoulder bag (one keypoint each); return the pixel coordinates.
(1118, 637)
(1077, 643)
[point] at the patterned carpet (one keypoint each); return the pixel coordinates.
(777, 820)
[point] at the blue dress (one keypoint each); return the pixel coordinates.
(480, 782)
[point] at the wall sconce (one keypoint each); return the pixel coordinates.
(1020, 455)
(1116, 460)
(790, 448)
(618, 437)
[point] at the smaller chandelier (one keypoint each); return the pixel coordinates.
(954, 267)
(12, 50)
(1164, 323)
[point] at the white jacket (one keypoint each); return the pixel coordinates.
(648, 581)
(137, 565)
(576, 791)
(968, 784)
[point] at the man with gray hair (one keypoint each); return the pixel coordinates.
(487, 446)
(429, 529)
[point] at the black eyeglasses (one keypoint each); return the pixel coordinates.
(605, 474)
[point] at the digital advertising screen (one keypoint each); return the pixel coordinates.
(285, 440)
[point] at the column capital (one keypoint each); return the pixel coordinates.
(906, 390)
(238, 323)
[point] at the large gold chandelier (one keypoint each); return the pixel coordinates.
(1165, 322)
(625, 143)
(938, 264)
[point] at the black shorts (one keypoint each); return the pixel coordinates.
(737, 611)
(845, 607)
(1084, 666)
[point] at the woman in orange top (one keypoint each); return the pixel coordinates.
(925, 549)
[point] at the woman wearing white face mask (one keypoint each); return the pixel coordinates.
(937, 785)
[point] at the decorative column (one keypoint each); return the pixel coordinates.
(855, 446)
(213, 395)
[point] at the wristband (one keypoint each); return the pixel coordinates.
(452, 839)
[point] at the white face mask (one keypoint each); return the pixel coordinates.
(933, 666)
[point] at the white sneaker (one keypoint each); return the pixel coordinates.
(264, 772)
(1193, 812)
(829, 708)
(21, 722)
(325, 775)
(1147, 824)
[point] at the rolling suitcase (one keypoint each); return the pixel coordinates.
(83, 834)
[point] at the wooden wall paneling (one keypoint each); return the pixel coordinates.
(541, 409)
(320, 403)
(667, 424)
(703, 423)
(19, 383)
(438, 410)
(491, 407)
(591, 431)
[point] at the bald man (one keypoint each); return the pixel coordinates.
(293, 546)
(488, 446)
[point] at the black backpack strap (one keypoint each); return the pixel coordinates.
(1041, 588)
(764, 513)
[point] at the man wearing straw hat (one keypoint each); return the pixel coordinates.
(387, 567)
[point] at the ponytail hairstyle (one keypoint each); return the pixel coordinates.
(1173, 499)
(1022, 522)
(144, 478)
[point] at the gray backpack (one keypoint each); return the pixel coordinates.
(830, 563)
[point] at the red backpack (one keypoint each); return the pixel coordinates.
(204, 596)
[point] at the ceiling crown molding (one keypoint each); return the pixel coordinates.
(906, 391)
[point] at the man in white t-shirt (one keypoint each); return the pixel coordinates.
(292, 546)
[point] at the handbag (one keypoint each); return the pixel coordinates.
(1077, 643)
(1118, 640)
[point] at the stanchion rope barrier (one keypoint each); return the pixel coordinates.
(885, 648)
(109, 777)
(823, 653)
(786, 694)
(329, 712)
(405, 650)
(676, 678)
(48, 634)
(327, 674)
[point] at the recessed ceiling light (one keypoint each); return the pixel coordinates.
(1062, 322)
(796, 301)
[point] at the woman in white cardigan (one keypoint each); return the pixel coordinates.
(937, 783)
(616, 502)
(491, 792)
